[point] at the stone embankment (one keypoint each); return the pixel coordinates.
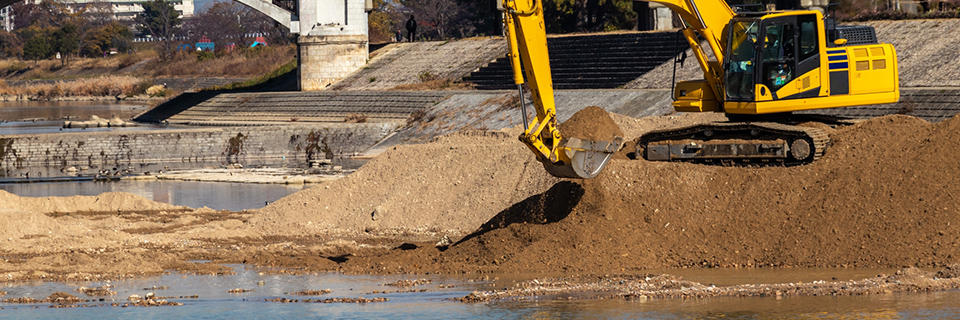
(247, 145)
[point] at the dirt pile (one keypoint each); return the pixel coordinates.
(591, 123)
(883, 196)
(450, 185)
(109, 201)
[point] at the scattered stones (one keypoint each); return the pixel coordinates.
(240, 290)
(643, 287)
(311, 292)
(96, 291)
(398, 291)
(330, 300)
(156, 288)
(63, 297)
(23, 300)
(444, 242)
(408, 283)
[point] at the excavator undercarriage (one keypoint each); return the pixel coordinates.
(736, 143)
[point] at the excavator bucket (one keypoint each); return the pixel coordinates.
(584, 158)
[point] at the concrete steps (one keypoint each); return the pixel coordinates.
(591, 62)
(931, 104)
(316, 106)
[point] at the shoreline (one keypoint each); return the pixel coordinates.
(139, 99)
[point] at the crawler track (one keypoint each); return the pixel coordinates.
(736, 143)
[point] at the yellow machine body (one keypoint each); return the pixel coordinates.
(813, 73)
(761, 63)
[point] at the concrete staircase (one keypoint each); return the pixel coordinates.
(591, 62)
(261, 108)
(931, 104)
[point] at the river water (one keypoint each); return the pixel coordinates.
(47, 117)
(214, 302)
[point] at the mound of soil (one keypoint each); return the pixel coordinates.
(109, 201)
(451, 185)
(591, 123)
(885, 195)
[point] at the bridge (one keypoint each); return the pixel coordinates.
(332, 42)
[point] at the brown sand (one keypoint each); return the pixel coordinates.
(883, 196)
(591, 123)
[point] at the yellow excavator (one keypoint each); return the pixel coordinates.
(764, 66)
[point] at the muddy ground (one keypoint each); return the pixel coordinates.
(884, 195)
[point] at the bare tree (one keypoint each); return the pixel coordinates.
(160, 20)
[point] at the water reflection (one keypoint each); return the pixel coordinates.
(214, 302)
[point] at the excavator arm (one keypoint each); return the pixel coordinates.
(562, 157)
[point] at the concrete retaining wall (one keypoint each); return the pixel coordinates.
(244, 145)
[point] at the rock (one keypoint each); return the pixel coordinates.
(445, 241)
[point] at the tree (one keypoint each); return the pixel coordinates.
(384, 21)
(160, 20)
(11, 44)
(37, 48)
(66, 42)
(112, 35)
(224, 22)
(98, 13)
(437, 16)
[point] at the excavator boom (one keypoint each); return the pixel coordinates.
(561, 157)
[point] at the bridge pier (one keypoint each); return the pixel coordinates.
(324, 59)
(333, 39)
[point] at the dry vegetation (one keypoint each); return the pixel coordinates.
(131, 74)
(435, 84)
(99, 86)
(78, 67)
(245, 62)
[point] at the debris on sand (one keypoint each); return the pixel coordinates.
(408, 283)
(643, 287)
(240, 290)
(96, 291)
(311, 292)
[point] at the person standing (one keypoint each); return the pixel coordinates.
(411, 29)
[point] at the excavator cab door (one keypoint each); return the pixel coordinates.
(768, 55)
(790, 52)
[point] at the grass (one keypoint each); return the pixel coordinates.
(98, 86)
(243, 62)
(240, 63)
(77, 67)
(255, 82)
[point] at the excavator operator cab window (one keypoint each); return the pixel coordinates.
(739, 65)
(779, 55)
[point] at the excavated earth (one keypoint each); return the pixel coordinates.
(884, 195)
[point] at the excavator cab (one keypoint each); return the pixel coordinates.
(790, 61)
(767, 54)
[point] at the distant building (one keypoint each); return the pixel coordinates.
(124, 10)
(6, 17)
(127, 9)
